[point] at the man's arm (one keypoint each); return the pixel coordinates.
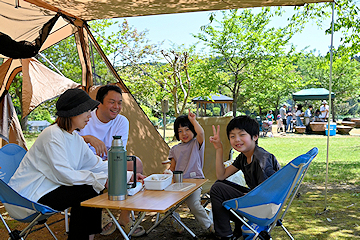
(99, 145)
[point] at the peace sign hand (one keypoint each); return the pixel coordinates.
(215, 140)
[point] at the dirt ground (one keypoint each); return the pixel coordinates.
(166, 231)
(163, 231)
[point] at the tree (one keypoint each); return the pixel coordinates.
(240, 41)
(345, 78)
(134, 58)
(275, 80)
(346, 22)
(65, 58)
(176, 78)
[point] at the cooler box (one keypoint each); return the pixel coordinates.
(332, 129)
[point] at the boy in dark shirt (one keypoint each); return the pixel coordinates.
(256, 163)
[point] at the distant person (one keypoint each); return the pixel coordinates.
(324, 109)
(270, 117)
(298, 115)
(308, 115)
(283, 115)
(255, 162)
(289, 119)
(317, 115)
(279, 124)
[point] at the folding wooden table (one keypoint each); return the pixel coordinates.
(147, 201)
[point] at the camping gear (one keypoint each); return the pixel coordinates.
(263, 205)
(178, 176)
(117, 162)
(19, 208)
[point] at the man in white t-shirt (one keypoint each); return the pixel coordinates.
(106, 122)
(324, 109)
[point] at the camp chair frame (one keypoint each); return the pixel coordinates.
(19, 207)
(236, 207)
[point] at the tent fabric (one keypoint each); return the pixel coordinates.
(8, 71)
(210, 153)
(99, 9)
(25, 49)
(312, 94)
(10, 129)
(23, 23)
(82, 44)
(144, 140)
(41, 84)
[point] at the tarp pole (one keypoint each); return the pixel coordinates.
(330, 102)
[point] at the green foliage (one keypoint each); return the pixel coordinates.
(315, 72)
(275, 80)
(40, 113)
(241, 43)
(216, 111)
(65, 58)
(346, 21)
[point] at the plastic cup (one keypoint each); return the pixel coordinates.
(178, 176)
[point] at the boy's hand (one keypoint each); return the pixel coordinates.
(215, 140)
(191, 116)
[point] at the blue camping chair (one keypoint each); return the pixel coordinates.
(18, 207)
(261, 208)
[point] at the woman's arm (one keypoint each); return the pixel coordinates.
(86, 168)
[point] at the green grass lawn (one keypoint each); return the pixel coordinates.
(307, 219)
(344, 156)
(30, 139)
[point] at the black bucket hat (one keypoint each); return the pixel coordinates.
(74, 102)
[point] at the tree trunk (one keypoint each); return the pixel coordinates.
(234, 105)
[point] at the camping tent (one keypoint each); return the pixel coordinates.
(315, 94)
(30, 26)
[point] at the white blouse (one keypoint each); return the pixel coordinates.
(58, 158)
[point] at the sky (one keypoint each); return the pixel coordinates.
(177, 29)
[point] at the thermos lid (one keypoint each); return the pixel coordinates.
(117, 141)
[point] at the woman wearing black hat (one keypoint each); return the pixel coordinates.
(61, 171)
